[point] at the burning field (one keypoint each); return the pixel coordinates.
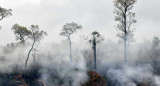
(56, 69)
(115, 76)
(77, 43)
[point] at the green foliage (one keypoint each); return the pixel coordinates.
(36, 34)
(124, 16)
(4, 13)
(21, 32)
(70, 28)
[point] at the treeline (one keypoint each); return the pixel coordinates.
(32, 36)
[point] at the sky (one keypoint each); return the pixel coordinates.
(93, 15)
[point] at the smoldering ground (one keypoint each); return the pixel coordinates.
(54, 65)
(57, 69)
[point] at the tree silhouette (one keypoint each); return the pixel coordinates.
(96, 38)
(125, 18)
(21, 33)
(4, 13)
(68, 30)
(155, 55)
(36, 35)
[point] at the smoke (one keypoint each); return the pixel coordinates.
(57, 69)
(142, 66)
(12, 55)
(131, 75)
(55, 65)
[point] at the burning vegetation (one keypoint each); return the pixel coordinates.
(99, 63)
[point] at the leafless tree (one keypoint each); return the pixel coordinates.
(68, 30)
(125, 18)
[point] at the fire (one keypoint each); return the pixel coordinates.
(20, 77)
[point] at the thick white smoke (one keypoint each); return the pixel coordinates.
(56, 67)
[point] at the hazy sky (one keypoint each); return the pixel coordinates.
(93, 15)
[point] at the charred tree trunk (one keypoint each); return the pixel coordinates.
(94, 48)
(125, 50)
(70, 48)
(34, 58)
(125, 34)
(29, 54)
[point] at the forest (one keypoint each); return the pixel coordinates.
(72, 55)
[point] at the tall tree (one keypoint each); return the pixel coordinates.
(155, 55)
(96, 38)
(155, 49)
(21, 33)
(68, 30)
(4, 13)
(35, 36)
(125, 18)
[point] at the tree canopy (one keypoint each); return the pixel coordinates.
(70, 28)
(21, 32)
(4, 13)
(124, 16)
(97, 37)
(36, 34)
